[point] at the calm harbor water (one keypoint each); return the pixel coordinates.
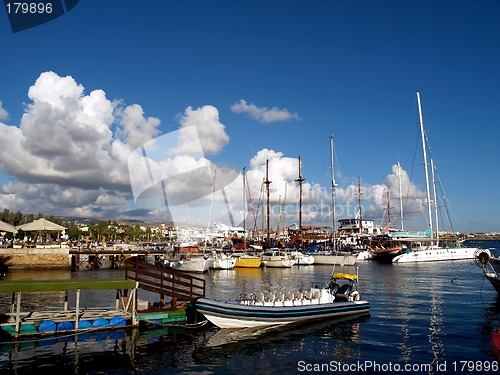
(440, 314)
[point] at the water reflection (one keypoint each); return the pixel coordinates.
(419, 314)
(336, 339)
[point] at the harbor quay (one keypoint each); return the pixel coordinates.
(62, 257)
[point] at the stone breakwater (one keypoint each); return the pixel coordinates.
(34, 258)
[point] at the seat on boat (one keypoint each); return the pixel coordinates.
(343, 293)
(271, 297)
(260, 297)
(280, 296)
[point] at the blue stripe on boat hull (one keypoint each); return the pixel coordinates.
(277, 315)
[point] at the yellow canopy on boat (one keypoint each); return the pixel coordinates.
(345, 276)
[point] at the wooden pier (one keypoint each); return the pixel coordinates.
(127, 312)
(180, 286)
(115, 258)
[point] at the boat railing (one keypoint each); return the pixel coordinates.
(283, 298)
(179, 286)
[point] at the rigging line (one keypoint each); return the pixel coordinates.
(445, 201)
(259, 204)
(407, 195)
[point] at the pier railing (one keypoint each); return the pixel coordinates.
(164, 281)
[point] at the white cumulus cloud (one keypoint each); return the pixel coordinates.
(68, 154)
(263, 114)
(3, 113)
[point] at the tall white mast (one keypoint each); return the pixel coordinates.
(400, 197)
(424, 147)
(244, 206)
(333, 191)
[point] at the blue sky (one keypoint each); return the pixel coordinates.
(259, 80)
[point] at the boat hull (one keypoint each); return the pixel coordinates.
(494, 281)
(280, 263)
(196, 265)
(248, 262)
(337, 260)
(302, 259)
(436, 254)
(387, 255)
(234, 315)
(495, 263)
(224, 262)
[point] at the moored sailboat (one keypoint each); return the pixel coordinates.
(333, 256)
(432, 251)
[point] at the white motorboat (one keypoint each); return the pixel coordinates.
(334, 258)
(198, 264)
(267, 309)
(277, 259)
(302, 259)
(223, 261)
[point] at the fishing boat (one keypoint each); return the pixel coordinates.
(274, 258)
(339, 297)
(432, 251)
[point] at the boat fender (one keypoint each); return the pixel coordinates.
(47, 326)
(117, 321)
(100, 323)
(65, 326)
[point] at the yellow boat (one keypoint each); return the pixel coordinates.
(247, 261)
